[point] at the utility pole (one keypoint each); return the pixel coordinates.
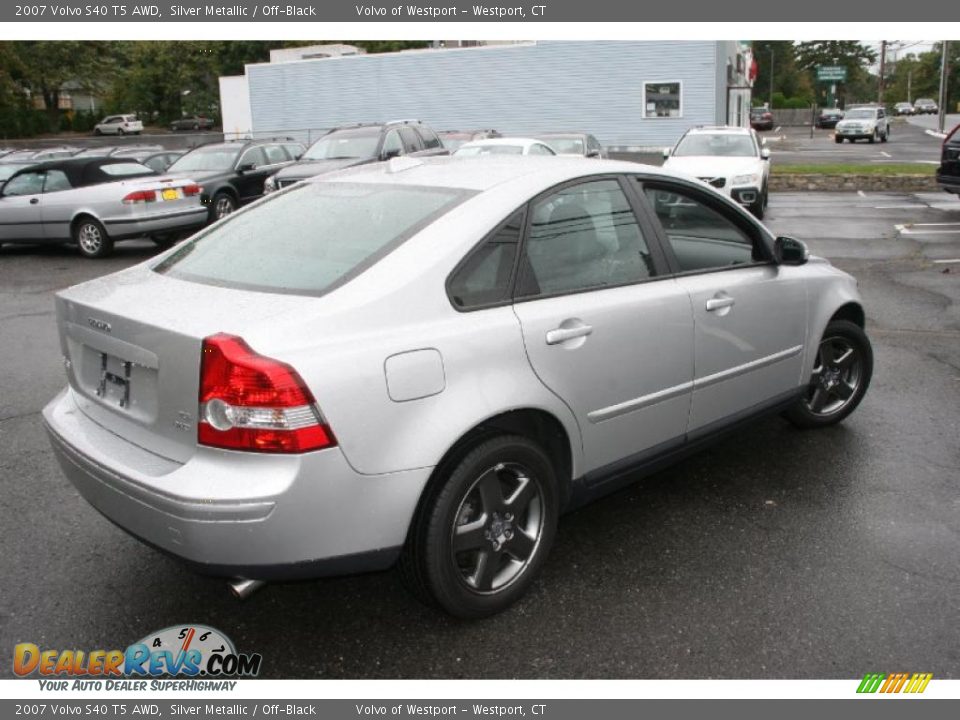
(883, 67)
(771, 79)
(909, 86)
(944, 71)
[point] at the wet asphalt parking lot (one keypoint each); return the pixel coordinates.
(775, 554)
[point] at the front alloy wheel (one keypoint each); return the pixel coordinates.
(484, 530)
(841, 373)
(91, 238)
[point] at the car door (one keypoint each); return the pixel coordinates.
(20, 207)
(603, 329)
(252, 171)
(59, 201)
(749, 313)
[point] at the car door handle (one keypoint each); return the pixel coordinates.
(34, 201)
(718, 303)
(562, 334)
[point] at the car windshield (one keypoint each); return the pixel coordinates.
(862, 114)
(566, 146)
(213, 157)
(8, 169)
(311, 238)
(720, 144)
(346, 144)
(490, 150)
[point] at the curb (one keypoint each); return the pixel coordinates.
(934, 133)
(853, 183)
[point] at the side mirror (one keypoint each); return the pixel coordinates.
(765, 153)
(247, 167)
(593, 153)
(790, 251)
(387, 154)
(667, 152)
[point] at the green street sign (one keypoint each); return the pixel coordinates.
(831, 73)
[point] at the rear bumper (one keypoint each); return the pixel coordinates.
(124, 227)
(239, 514)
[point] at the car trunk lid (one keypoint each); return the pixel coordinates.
(132, 345)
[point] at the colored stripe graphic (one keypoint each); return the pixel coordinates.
(894, 683)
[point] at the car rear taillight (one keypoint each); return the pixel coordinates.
(139, 196)
(255, 403)
(191, 190)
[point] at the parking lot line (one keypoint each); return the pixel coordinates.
(947, 262)
(885, 154)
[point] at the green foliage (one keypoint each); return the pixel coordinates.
(921, 74)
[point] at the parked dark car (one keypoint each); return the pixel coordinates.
(357, 145)
(925, 106)
(573, 143)
(192, 122)
(453, 139)
(761, 119)
(829, 117)
(232, 173)
(948, 174)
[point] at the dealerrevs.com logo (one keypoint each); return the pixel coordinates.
(889, 683)
(189, 651)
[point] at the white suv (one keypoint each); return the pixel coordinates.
(863, 123)
(118, 125)
(730, 159)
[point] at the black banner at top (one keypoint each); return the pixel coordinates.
(470, 11)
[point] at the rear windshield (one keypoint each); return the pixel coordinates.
(490, 150)
(311, 238)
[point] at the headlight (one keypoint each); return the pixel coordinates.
(270, 184)
(745, 180)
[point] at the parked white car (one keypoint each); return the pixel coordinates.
(731, 159)
(863, 123)
(118, 125)
(504, 146)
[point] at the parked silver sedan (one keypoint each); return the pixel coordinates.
(94, 202)
(428, 360)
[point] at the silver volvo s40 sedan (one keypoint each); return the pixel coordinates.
(425, 361)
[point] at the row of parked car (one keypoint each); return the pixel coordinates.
(96, 196)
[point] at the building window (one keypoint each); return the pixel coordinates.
(663, 99)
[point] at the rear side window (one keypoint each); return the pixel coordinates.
(275, 154)
(311, 238)
(584, 237)
(411, 143)
(125, 169)
(55, 181)
(484, 276)
(430, 139)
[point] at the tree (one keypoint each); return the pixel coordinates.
(46, 65)
(851, 54)
(787, 79)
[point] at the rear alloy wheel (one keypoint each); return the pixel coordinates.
(481, 538)
(223, 204)
(120, 131)
(91, 239)
(841, 375)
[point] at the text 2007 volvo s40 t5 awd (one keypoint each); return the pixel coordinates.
(427, 360)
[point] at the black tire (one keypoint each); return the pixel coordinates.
(873, 138)
(885, 136)
(196, 126)
(120, 131)
(502, 552)
(838, 140)
(91, 238)
(837, 385)
(222, 204)
(759, 206)
(97, 131)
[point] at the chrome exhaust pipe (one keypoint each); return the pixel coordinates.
(242, 588)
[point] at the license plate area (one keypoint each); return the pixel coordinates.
(114, 386)
(170, 194)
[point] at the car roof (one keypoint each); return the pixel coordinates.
(718, 130)
(84, 171)
(481, 173)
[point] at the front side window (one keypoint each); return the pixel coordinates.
(311, 238)
(662, 99)
(213, 157)
(583, 237)
(392, 145)
(430, 139)
(411, 142)
(484, 277)
(29, 183)
(275, 154)
(538, 149)
(700, 237)
(254, 156)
